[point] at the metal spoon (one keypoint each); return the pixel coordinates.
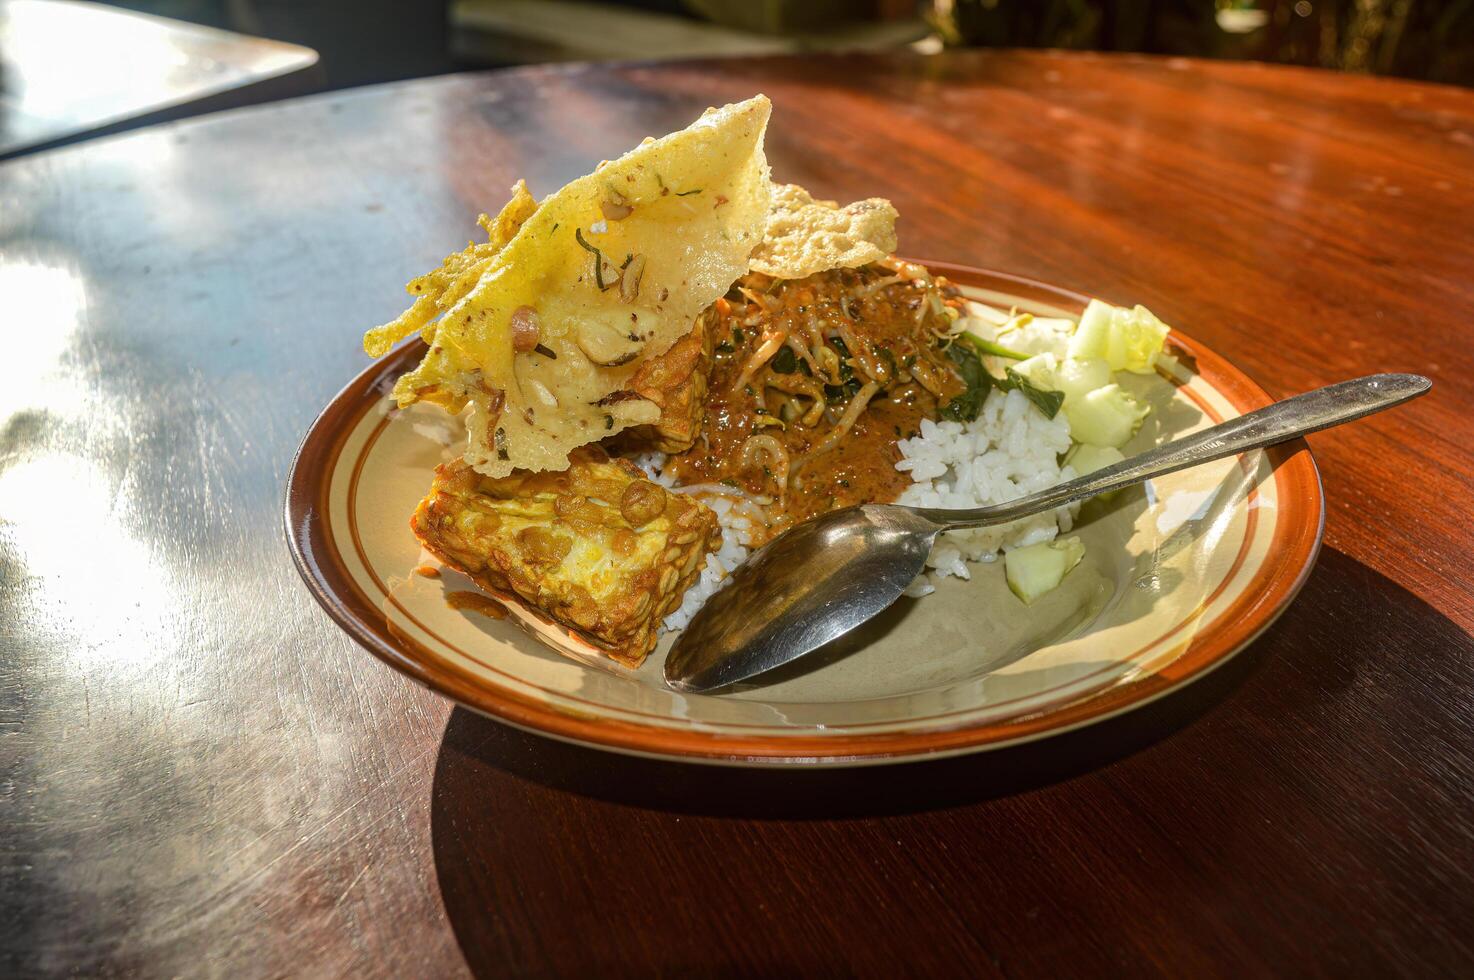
(825, 577)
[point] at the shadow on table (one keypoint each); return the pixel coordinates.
(522, 824)
(473, 743)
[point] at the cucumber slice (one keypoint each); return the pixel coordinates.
(1136, 339)
(1087, 459)
(1033, 571)
(1092, 336)
(1075, 378)
(1126, 339)
(1105, 417)
(1040, 370)
(1078, 378)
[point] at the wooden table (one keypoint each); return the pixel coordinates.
(201, 775)
(70, 69)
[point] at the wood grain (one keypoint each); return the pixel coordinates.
(200, 775)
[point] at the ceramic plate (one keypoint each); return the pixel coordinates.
(1177, 577)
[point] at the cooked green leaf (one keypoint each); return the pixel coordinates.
(1047, 402)
(842, 392)
(966, 406)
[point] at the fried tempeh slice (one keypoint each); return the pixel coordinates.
(597, 547)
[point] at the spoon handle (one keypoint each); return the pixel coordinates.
(1280, 422)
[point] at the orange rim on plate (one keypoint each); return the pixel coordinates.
(315, 549)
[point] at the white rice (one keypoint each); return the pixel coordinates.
(736, 531)
(1010, 450)
(733, 514)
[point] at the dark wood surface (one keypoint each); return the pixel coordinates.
(71, 69)
(201, 775)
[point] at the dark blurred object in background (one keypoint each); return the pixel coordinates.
(380, 40)
(358, 41)
(496, 32)
(1426, 39)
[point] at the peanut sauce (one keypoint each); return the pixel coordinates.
(889, 332)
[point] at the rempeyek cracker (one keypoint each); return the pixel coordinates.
(804, 236)
(540, 336)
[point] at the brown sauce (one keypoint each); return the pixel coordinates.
(888, 327)
(862, 469)
(476, 602)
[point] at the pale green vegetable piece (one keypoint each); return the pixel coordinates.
(1092, 337)
(1034, 570)
(1087, 459)
(1127, 340)
(1040, 370)
(1104, 417)
(1077, 378)
(1136, 339)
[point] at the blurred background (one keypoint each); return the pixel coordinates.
(377, 40)
(71, 69)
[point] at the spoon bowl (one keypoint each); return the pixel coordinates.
(855, 562)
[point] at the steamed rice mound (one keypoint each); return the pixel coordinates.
(1009, 451)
